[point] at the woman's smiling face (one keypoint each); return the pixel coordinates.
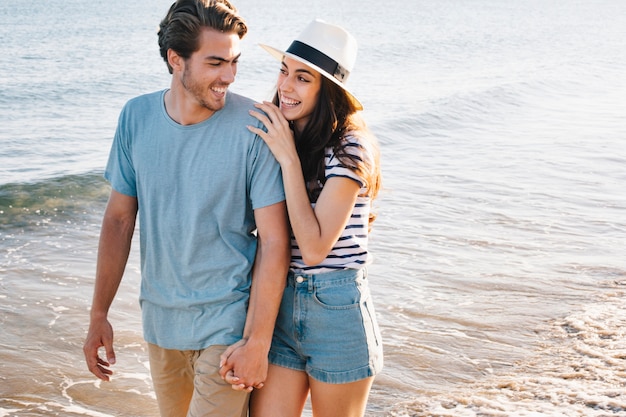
(298, 90)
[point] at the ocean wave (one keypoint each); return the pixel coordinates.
(69, 196)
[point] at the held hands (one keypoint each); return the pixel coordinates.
(279, 136)
(243, 366)
(100, 334)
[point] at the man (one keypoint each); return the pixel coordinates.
(213, 227)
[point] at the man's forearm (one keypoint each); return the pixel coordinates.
(268, 273)
(268, 283)
(115, 239)
(113, 250)
(248, 360)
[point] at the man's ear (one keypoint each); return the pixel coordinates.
(175, 60)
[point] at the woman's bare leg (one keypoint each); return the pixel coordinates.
(340, 400)
(283, 394)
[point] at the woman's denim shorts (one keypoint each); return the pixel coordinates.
(327, 327)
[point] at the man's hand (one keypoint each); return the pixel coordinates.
(100, 334)
(244, 365)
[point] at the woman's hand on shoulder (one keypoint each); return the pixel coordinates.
(279, 137)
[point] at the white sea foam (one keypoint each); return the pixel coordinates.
(578, 370)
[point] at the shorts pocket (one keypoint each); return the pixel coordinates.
(340, 297)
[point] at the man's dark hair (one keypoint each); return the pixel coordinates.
(180, 29)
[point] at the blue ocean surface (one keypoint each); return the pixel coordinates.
(499, 274)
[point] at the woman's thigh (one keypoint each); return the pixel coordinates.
(340, 400)
(283, 394)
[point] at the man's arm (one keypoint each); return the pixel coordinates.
(249, 361)
(116, 235)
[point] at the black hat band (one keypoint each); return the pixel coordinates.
(319, 59)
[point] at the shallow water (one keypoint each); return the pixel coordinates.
(499, 272)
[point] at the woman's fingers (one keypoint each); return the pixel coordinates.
(278, 134)
(231, 379)
(263, 118)
(274, 115)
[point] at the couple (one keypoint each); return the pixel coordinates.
(219, 185)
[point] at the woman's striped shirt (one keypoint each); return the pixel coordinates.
(350, 251)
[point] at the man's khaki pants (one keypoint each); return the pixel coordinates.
(187, 384)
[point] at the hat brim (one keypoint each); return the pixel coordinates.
(279, 55)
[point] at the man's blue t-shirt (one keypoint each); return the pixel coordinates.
(197, 187)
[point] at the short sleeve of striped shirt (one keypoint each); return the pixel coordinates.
(355, 147)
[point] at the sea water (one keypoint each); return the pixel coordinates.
(499, 275)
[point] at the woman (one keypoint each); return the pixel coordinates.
(326, 340)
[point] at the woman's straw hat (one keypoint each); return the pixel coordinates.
(328, 49)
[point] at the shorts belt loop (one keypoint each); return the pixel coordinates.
(310, 282)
